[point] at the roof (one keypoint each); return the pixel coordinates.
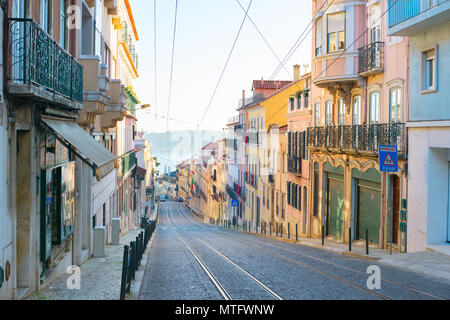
(270, 84)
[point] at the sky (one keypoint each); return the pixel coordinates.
(205, 32)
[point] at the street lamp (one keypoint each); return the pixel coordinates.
(144, 106)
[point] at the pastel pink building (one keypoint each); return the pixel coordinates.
(358, 94)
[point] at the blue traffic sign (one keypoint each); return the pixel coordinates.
(235, 203)
(388, 158)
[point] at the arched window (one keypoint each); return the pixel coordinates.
(328, 113)
(374, 108)
(395, 105)
(357, 110)
(317, 114)
(341, 104)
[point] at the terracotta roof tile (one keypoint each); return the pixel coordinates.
(270, 84)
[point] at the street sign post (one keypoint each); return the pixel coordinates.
(235, 203)
(388, 158)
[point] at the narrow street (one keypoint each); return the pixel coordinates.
(190, 260)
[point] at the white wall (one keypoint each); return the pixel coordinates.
(427, 186)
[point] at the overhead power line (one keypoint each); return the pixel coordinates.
(338, 57)
(298, 42)
(225, 67)
(264, 38)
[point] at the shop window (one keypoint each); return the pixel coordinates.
(57, 206)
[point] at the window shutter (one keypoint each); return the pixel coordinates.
(289, 193)
(289, 144)
(299, 207)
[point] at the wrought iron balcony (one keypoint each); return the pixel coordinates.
(38, 61)
(370, 59)
(357, 138)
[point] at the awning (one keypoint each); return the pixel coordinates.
(87, 147)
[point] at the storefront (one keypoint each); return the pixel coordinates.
(67, 200)
(367, 204)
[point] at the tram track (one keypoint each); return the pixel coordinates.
(260, 245)
(213, 278)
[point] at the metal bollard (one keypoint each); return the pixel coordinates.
(296, 232)
(133, 260)
(138, 261)
(350, 239)
(270, 228)
(289, 230)
(281, 230)
(276, 230)
(323, 235)
(123, 283)
(367, 241)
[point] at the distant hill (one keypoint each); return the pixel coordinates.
(172, 147)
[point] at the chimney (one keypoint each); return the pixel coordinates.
(305, 68)
(243, 98)
(296, 72)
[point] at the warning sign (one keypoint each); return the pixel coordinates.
(388, 158)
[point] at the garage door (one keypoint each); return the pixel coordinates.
(335, 208)
(368, 210)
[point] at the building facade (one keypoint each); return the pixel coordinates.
(359, 103)
(426, 25)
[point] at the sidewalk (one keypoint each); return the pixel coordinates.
(432, 262)
(100, 277)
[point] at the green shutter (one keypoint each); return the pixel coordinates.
(335, 196)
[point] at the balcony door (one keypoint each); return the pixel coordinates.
(356, 121)
(18, 10)
(374, 119)
(395, 106)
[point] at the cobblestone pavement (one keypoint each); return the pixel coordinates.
(100, 277)
(252, 267)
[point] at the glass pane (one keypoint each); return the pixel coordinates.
(331, 42)
(342, 40)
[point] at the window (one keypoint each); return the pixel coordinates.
(299, 101)
(336, 32)
(318, 37)
(328, 113)
(357, 110)
(341, 112)
(62, 24)
(316, 114)
(374, 108)
(395, 105)
(45, 15)
(374, 23)
(292, 102)
(429, 80)
(305, 99)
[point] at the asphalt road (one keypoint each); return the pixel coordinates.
(190, 260)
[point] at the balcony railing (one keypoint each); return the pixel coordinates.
(36, 59)
(370, 58)
(128, 40)
(402, 10)
(358, 138)
(257, 98)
